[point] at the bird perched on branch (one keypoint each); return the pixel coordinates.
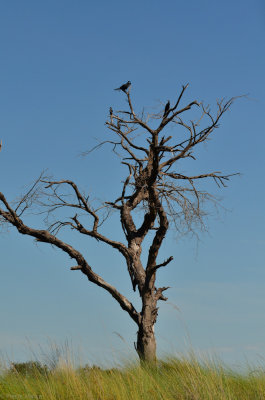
(166, 109)
(111, 114)
(124, 87)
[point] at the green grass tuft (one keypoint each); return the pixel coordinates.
(178, 379)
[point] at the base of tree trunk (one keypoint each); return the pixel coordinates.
(146, 345)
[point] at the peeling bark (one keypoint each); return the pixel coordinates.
(146, 342)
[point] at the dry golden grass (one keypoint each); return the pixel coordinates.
(176, 379)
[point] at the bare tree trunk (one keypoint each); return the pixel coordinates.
(146, 342)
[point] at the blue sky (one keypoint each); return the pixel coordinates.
(60, 61)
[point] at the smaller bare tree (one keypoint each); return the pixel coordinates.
(154, 185)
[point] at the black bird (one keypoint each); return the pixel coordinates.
(166, 109)
(111, 114)
(124, 87)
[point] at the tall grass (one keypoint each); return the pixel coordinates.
(173, 378)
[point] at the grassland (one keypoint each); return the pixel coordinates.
(170, 379)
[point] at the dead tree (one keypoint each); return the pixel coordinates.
(153, 185)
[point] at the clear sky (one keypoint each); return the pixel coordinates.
(60, 61)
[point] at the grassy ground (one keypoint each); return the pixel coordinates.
(171, 379)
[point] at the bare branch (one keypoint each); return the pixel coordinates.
(81, 200)
(76, 268)
(46, 237)
(167, 261)
(85, 153)
(217, 178)
(159, 293)
(135, 118)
